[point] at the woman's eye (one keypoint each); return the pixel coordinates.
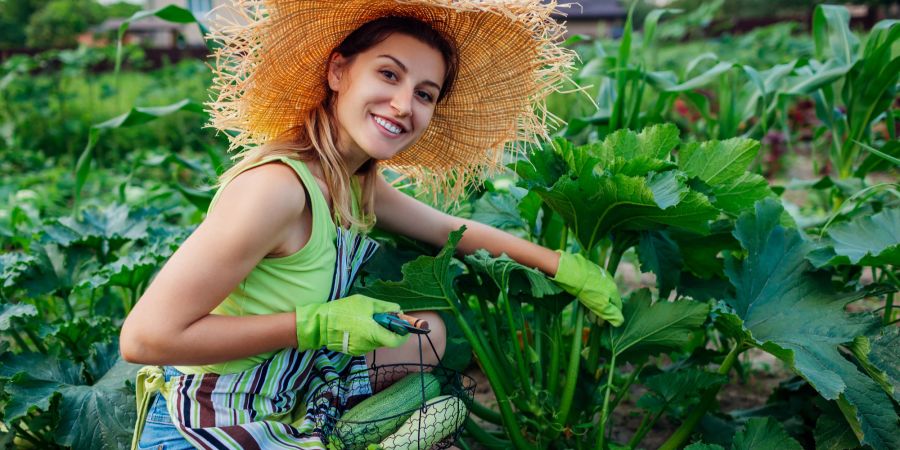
(425, 96)
(388, 74)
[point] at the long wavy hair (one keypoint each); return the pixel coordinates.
(315, 138)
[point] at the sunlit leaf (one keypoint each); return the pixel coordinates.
(795, 314)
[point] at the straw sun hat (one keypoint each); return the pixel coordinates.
(271, 64)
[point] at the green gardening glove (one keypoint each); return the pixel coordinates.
(591, 285)
(345, 325)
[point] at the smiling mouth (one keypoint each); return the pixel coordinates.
(388, 126)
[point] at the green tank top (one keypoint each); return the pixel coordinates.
(279, 284)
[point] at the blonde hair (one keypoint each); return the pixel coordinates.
(314, 140)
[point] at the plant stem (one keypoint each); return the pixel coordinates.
(503, 402)
(604, 413)
(568, 392)
(26, 435)
(555, 351)
(20, 341)
(494, 342)
(623, 391)
(484, 438)
(706, 401)
(889, 301)
(539, 338)
(69, 310)
(646, 425)
(485, 413)
(514, 344)
(35, 340)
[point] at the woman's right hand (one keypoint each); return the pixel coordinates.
(346, 325)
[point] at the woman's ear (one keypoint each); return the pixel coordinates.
(336, 65)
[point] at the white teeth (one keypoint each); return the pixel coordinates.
(387, 125)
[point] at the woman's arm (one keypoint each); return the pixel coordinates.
(399, 213)
(172, 324)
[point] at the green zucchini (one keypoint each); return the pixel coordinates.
(429, 425)
(368, 423)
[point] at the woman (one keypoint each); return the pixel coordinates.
(250, 314)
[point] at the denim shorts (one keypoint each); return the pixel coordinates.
(159, 430)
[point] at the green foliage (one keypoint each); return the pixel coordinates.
(93, 402)
(796, 315)
(870, 241)
(664, 174)
(764, 434)
(59, 23)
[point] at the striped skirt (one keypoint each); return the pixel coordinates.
(274, 404)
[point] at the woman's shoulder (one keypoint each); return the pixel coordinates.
(270, 194)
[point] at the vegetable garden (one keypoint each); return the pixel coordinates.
(742, 189)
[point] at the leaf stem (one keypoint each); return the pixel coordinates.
(555, 351)
(568, 392)
(26, 435)
(35, 340)
(485, 413)
(604, 413)
(503, 401)
(707, 399)
(483, 437)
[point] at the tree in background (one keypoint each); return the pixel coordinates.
(14, 16)
(53, 23)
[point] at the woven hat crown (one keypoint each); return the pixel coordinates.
(271, 62)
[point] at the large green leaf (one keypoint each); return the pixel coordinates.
(833, 433)
(796, 315)
(595, 205)
(511, 276)
(722, 165)
(868, 241)
(742, 193)
(635, 154)
(132, 269)
(57, 269)
(764, 434)
(667, 388)
(12, 266)
(97, 416)
(113, 225)
(625, 182)
(718, 162)
(427, 281)
(10, 311)
(659, 254)
(652, 328)
(885, 356)
(498, 210)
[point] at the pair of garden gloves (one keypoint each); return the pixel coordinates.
(346, 324)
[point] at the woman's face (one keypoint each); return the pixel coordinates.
(385, 96)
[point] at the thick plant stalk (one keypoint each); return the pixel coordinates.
(483, 437)
(514, 344)
(568, 392)
(503, 401)
(604, 413)
(677, 439)
(536, 366)
(485, 413)
(555, 350)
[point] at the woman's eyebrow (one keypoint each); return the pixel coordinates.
(403, 68)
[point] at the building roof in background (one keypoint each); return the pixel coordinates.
(147, 24)
(592, 10)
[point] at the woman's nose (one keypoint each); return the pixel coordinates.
(402, 103)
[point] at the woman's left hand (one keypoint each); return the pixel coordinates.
(591, 285)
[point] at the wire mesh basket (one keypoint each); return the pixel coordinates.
(431, 418)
